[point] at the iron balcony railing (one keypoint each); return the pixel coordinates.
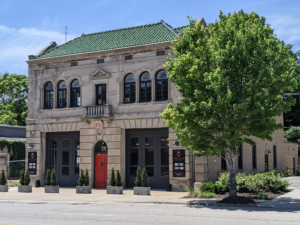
(98, 111)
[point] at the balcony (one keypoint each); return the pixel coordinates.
(98, 111)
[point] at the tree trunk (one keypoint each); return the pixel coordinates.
(232, 176)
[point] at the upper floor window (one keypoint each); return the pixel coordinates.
(62, 95)
(161, 86)
(129, 89)
(101, 94)
(145, 87)
(75, 93)
(48, 102)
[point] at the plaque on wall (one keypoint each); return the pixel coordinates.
(32, 158)
(178, 163)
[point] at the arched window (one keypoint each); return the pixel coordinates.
(161, 86)
(100, 147)
(145, 87)
(129, 89)
(75, 93)
(62, 95)
(48, 96)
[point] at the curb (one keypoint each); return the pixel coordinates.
(229, 205)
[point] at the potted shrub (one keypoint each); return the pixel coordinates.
(142, 183)
(3, 182)
(24, 181)
(83, 183)
(116, 185)
(51, 182)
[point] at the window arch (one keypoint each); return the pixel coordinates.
(48, 96)
(145, 87)
(75, 93)
(129, 89)
(62, 95)
(100, 147)
(161, 86)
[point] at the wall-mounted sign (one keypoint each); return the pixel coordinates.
(178, 163)
(99, 127)
(32, 158)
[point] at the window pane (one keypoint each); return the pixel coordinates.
(149, 141)
(148, 98)
(165, 90)
(158, 90)
(129, 78)
(53, 159)
(150, 171)
(132, 92)
(77, 156)
(134, 142)
(162, 75)
(164, 141)
(49, 86)
(134, 156)
(143, 92)
(53, 144)
(164, 172)
(75, 83)
(62, 85)
(145, 76)
(65, 171)
(65, 158)
(132, 171)
(164, 154)
(149, 156)
(65, 143)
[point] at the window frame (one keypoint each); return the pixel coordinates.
(131, 83)
(145, 82)
(65, 92)
(161, 89)
(97, 95)
(254, 157)
(45, 95)
(71, 95)
(274, 156)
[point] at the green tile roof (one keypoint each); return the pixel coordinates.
(121, 38)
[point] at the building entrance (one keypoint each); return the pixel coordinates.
(149, 149)
(62, 153)
(100, 164)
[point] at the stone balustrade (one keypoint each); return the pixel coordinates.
(98, 111)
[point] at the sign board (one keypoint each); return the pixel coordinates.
(32, 158)
(99, 127)
(178, 163)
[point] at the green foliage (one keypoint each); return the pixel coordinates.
(86, 178)
(220, 189)
(26, 178)
(112, 181)
(287, 174)
(80, 181)
(3, 178)
(255, 183)
(145, 179)
(22, 173)
(292, 134)
(191, 191)
(13, 99)
(207, 187)
(119, 181)
(206, 195)
(232, 77)
(18, 148)
(298, 172)
(53, 177)
(292, 118)
(48, 177)
(138, 179)
(263, 195)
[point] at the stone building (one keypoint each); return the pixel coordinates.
(94, 102)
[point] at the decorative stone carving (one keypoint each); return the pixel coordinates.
(99, 74)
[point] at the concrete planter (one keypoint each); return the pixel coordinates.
(114, 190)
(83, 189)
(141, 190)
(51, 189)
(3, 188)
(25, 188)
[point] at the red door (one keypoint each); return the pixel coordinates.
(100, 170)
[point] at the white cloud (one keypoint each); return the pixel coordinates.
(17, 44)
(287, 28)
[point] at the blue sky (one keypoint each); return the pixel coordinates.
(27, 26)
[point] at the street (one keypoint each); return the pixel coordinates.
(138, 213)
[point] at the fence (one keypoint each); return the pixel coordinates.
(14, 168)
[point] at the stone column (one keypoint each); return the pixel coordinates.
(3, 162)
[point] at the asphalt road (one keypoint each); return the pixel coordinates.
(56, 213)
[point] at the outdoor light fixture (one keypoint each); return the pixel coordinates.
(30, 146)
(268, 151)
(176, 143)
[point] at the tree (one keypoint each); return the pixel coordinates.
(13, 99)
(232, 76)
(3, 178)
(119, 181)
(145, 179)
(112, 181)
(80, 181)
(138, 179)
(48, 177)
(53, 177)
(86, 178)
(26, 178)
(22, 173)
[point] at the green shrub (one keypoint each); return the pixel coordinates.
(220, 189)
(119, 181)
(292, 134)
(22, 177)
(3, 178)
(223, 180)
(80, 181)
(145, 179)
(287, 174)
(112, 181)
(26, 178)
(263, 195)
(48, 177)
(298, 172)
(207, 187)
(138, 179)
(191, 191)
(53, 177)
(206, 195)
(86, 178)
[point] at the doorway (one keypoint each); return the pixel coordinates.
(100, 164)
(266, 162)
